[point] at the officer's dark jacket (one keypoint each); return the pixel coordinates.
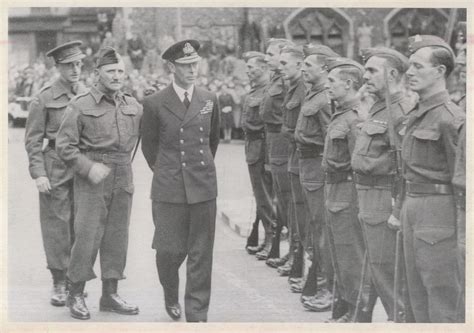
(46, 111)
(429, 143)
(179, 145)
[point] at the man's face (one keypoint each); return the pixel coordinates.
(421, 73)
(290, 66)
(185, 75)
(374, 75)
(112, 76)
(272, 57)
(70, 72)
(312, 69)
(337, 88)
(254, 69)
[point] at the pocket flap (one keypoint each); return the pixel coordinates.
(254, 101)
(374, 219)
(337, 133)
(292, 104)
(129, 189)
(433, 235)
(94, 112)
(372, 129)
(56, 105)
(309, 111)
(275, 90)
(312, 186)
(129, 110)
(426, 134)
(336, 207)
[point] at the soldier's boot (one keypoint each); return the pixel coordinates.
(112, 302)
(297, 268)
(267, 245)
(275, 247)
(310, 286)
(277, 262)
(75, 301)
(367, 303)
(252, 246)
(339, 307)
(320, 302)
(59, 292)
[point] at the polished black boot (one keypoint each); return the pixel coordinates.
(112, 302)
(275, 249)
(75, 301)
(59, 292)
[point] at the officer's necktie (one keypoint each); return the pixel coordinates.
(186, 101)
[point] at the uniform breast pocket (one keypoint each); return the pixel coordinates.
(55, 112)
(253, 108)
(338, 150)
(373, 140)
(98, 123)
(426, 149)
(129, 121)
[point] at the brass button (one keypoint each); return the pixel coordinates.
(201, 140)
(201, 151)
(201, 129)
(182, 153)
(181, 130)
(183, 164)
(181, 141)
(202, 162)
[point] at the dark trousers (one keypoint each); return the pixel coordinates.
(430, 245)
(375, 207)
(56, 212)
(261, 181)
(102, 216)
(185, 230)
(345, 229)
(312, 182)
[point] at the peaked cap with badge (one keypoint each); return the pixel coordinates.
(183, 52)
(67, 52)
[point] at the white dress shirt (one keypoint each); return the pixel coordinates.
(180, 92)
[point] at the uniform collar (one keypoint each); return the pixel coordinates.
(60, 88)
(276, 76)
(98, 95)
(180, 91)
(316, 89)
(380, 104)
(351, 104)
(259, 85)
(431, 102)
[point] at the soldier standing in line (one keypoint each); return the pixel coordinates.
(310, 134)
(180, 137)
(376, 169)
(53, 178)
(428, 213)
(98, 133)
(277, 146)
(291, 59)
(255, 147)
(345, 233)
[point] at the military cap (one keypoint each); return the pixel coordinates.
(67, 52)
(183, 52)
(385, 52)
(310, 49)
(419, 41)
(293, 49)
(107, 56)
(332, 63)
(253, 54)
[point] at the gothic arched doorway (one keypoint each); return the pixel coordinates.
(328, 26)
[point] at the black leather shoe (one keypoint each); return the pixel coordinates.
(254, 249)
(173, 310)
(262, 255)
(114, 303)
(59, 294)
(77, 307)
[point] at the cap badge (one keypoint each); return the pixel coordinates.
(188, 49)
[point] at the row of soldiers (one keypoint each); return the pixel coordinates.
(369, 199)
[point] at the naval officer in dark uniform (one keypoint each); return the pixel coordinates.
(180, 131)
(53, 178)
